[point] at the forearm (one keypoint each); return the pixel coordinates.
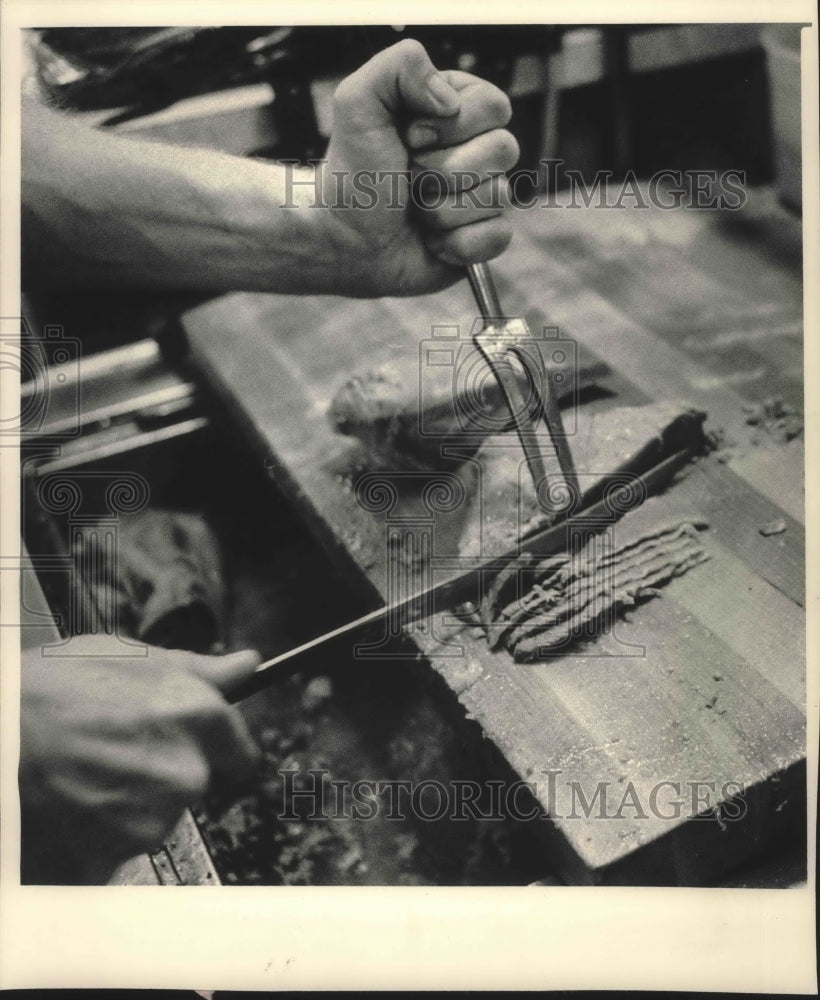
(102, 208)
(105, 209)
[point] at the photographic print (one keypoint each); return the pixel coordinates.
(412, 455)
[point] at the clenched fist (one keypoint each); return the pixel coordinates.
(419, 158)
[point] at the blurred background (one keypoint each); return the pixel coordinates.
(628, 99)
(613, 97)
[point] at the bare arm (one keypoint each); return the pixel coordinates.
(109, 209)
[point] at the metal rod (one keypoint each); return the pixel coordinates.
(483, 286)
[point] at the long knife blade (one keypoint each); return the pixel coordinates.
(452, 591)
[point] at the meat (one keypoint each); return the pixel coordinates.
(609, 449)
(555, 602)
(536, 606)
(403, 411)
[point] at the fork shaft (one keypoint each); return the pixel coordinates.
(483, 286)
(498, 356)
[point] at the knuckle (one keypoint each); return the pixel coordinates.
(181, 778)
(500, 106)
(180, 782)
(409, 49)
(508, 149)
(193, 703)
(499, 238)
(192, 780)
(346, 94)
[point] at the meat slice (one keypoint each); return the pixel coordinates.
(498, 504)
(625, 564)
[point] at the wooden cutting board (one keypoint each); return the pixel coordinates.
(700, 696)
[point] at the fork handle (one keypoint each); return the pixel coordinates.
(483, 286)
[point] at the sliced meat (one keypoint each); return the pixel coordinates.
(624, 564)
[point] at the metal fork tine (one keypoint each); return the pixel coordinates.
(496, 350)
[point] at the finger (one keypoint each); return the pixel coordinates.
(483, 107)
(471, 244)
(470, 163)
(398, 82)
(466, 207)
(224, 738)
(459, 79)
(227, 744)
(150, 801)
(224, 672)
(217, 729)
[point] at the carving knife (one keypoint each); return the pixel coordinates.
(465, 585)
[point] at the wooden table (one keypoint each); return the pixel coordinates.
(699, 305)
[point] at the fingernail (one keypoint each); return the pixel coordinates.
(419, 136)
(443, 94)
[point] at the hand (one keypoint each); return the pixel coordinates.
(200, 219)
(114, 748)
(397, 114)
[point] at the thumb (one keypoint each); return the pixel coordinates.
(225, 672)
(399, 81)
